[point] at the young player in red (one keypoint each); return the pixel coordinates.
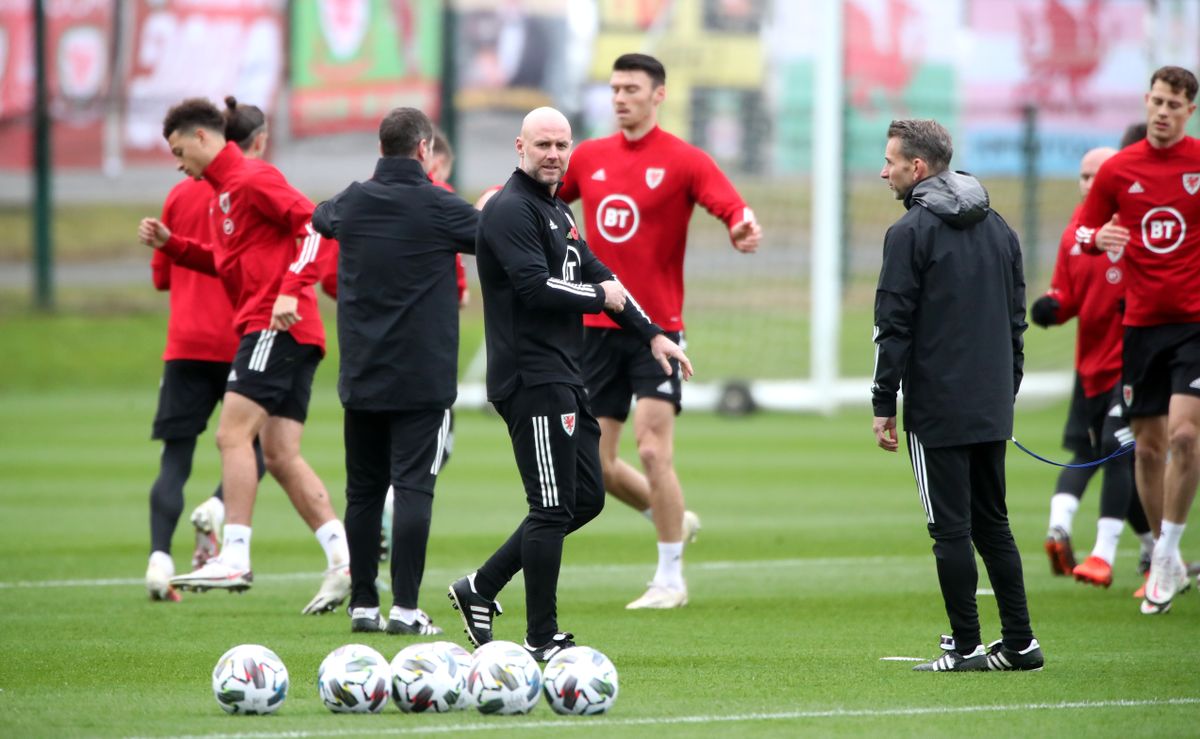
(1153, 187)
(639, 188)
(1091, 290)
(256, 219)
(200, 346)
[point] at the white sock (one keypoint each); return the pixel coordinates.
(1062, 511)
(649, 514)
(235, 549)
(407, 615)
(332, 536)
(163, 561)
(365, 612)
(670, 565)
(1168, 541)
(1108, 533)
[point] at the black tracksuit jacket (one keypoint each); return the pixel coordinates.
(950, 316)
(538, 276)
(397, 292)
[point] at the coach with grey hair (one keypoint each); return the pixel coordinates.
(949, 321)
(398, 375)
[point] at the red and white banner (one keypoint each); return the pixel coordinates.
(79, 49)
(198, 48)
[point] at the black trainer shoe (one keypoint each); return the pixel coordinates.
(362, 621)
(423, 626)
(1001, 658)
(476, 611)
(952, 661)
(557, 643)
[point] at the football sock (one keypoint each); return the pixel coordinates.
(407, 615)
(1168, 542)
(670, 565)
(649, 514)
(364, 612)
(332, 536)
(235, 549)
(1108, 533)
(1062, 511)
(163, 561)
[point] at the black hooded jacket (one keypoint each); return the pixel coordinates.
(950, 315)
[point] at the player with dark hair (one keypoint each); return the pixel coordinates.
(1153, 187)
(200, 346)
(949, 327)
(1093, 291)
(639, 188)
(266, 255)
(398, 332)
(537, 277)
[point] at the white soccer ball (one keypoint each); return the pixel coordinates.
(250, 679)
(431, 677)
(503, 679)
(580, 681)
(354, 679)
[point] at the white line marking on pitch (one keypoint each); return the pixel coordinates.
(598, 722)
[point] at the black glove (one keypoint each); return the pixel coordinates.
(1044, 311)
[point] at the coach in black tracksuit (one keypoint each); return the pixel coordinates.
(537, 277)
(398, 332)
(949, 321)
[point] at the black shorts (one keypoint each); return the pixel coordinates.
(187, 394)
(618, 365)
(274, 371)
(1160, 361)
(1075, 433)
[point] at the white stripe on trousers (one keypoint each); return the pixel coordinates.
(545, 461)
(262, 351)
(919, 472)
(443, 432)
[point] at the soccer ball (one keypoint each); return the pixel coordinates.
(580, 681)
(354, 679)
(250, 679)
(431, 677)
(503, 679)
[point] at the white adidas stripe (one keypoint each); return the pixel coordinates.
(443, 432)
(262, 351)
(921, 474)
(308, 252)
(577, 288)
(545, 461)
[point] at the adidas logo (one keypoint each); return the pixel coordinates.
(1136, 188)
(553, 226)
(1195, 384)
(666, 387)
(599, 175)
(232, 376)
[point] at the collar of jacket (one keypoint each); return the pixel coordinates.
(224, 164)
(532, 185)
(399, 169)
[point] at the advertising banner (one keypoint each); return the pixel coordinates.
(354, 60)
(79, 37)
(198, 48)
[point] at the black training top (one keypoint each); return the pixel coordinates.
(397, 316)
(538, 277)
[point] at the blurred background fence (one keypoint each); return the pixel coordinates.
(1025, 86)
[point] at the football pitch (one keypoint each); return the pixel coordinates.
(812, 566)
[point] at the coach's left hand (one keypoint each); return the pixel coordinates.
(283, 314)
(885, 433)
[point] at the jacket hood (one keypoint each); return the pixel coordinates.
(956, 197)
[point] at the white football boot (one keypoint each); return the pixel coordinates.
(657, 596)
(335, 588)
(207, 519)
(158, 579)
(215, 575)
(691, 527)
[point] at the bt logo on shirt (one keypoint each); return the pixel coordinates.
(1163, 229)
(617, 218)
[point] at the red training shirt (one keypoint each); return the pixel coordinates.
(1091, 288)
(638, 197)
(256, 220)
(1156, 193)
(200, 326)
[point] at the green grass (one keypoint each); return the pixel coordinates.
(813, 563)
